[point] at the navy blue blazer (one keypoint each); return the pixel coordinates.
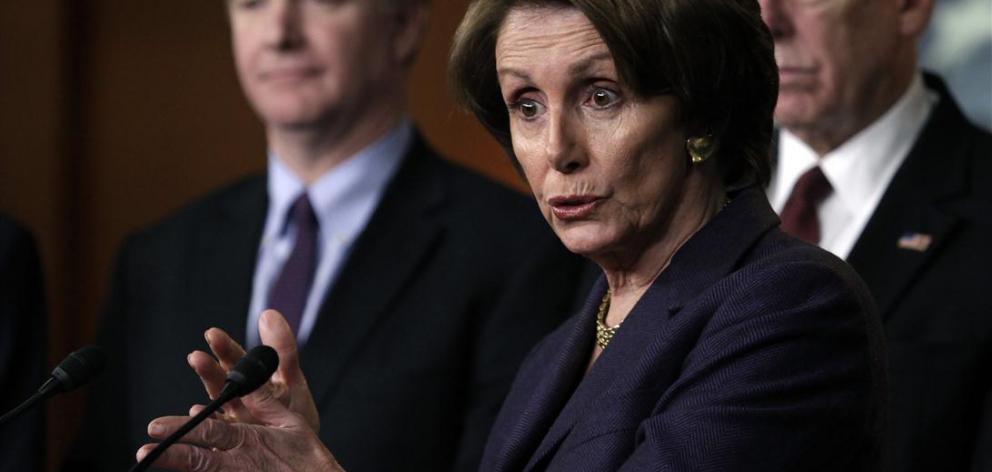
(751, 351)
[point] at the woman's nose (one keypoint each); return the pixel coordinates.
(563, 148)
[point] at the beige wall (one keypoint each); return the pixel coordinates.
(114, 113)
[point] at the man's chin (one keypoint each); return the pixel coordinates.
(293, 121)
(292, 112)
(795, 110)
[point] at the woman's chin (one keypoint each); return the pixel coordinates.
(587, 241)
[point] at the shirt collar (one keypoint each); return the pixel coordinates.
(853, 169)
(344, 197)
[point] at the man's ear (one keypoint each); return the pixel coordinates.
(914, 16)
(411, 27)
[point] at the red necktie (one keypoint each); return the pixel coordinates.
(799, 216)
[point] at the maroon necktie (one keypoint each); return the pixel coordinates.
(290, 292)
(799, 216)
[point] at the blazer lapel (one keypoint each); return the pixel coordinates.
(558, 376)
(625, 346)
(708, 256)
(226, 252)
(376, 270)
(916, 204)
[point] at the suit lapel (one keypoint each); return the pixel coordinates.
(915, 203)
(377, 269)
(886, 268)
(707, 257)
(558, 376)
(226, 252)
(612, 363)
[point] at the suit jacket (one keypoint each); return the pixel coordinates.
(751, 351)
(451, 283)
(937, 318)
(22, 348)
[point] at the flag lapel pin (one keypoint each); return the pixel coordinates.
(918, 242)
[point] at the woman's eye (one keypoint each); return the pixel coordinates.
(603, 98)
(527, 108)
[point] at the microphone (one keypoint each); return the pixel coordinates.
(73, 372)
(249, 373)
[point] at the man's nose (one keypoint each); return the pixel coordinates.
(285, 25)
(775, 13)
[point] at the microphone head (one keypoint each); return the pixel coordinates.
(80, 367)
(254, 369)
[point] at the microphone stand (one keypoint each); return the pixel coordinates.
(75, 370)
(41, 394)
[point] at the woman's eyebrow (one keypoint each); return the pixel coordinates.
(575, 69)
(503, 71)
(589, 62)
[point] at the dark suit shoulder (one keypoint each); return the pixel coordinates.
(788, 310)
(489, 201)
(20, 272)
(981, 170)
(951, 156)
(13, 236)
(491, 214)
(485, 192)
(786, 285)
(20, 264)
(781, 255)
(239, 199)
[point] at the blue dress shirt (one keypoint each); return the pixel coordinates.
(344, 199)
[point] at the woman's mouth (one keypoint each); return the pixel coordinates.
(574, 207)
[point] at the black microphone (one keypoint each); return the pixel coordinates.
(73, 372)
(249, 373)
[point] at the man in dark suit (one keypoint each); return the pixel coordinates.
(414, 287)
(22, 347)
(877, 164)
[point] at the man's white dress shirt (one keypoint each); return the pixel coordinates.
(858, 170)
